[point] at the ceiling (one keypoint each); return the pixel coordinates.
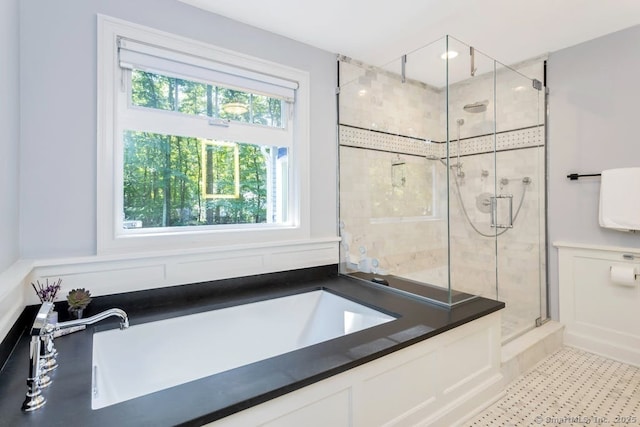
(378, 31)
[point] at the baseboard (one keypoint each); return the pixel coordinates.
(478, 409)
(609, 349)
(473, 401)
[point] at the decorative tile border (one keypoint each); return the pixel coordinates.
(508, 140)
(381, 141)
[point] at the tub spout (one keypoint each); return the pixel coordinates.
(124, 319)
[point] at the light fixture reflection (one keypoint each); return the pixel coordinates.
(450, 54)
(236, 108)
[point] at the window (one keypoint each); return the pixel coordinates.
(199, 144)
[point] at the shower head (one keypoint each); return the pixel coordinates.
(476, 107)
(460, 122)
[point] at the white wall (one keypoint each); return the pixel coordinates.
(9, 132)
(58, 110)
(593, 125)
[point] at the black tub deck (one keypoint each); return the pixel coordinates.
(208, 399)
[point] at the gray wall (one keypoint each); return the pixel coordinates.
(9, 131)
(593, 125)
(58, 110)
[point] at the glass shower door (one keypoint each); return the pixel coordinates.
(470, 111)
(520, 200)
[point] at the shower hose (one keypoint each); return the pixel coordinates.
(464, 210)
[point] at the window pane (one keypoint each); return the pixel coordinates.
(152, 90)
(193, 98)
(189, 97)
(221, 170)
(267, 111)
(172, 181)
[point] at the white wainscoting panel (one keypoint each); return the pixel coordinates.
(385, 395)
(404, 388)
(599, 315)
(335, 410)
(470, 369)
(13, 294)
(125, 273)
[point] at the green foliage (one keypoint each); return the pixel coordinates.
(164, 175)
(173, 94)
(79, 298)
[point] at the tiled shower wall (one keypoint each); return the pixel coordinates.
(372, 98)
(387, 131)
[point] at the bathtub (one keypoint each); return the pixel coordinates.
(425, 362)
(154, 356)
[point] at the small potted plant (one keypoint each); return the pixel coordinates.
(78, 300)
(48, 292)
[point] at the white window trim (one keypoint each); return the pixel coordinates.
(110, 240)
(135, 55)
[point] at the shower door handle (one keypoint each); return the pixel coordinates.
(494, 210)
(494, 207)
(509, 197)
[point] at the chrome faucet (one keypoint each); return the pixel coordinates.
(42, 353)
(41, 328)
(124, 319)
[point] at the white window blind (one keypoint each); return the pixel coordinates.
(146, 57)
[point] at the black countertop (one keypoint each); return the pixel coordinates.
(211, 398)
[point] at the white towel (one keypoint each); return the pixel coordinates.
(620, 199)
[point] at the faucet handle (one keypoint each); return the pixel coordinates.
(45, 327)
(41, 322)
(48, 352)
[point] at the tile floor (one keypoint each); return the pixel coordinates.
(569, 388)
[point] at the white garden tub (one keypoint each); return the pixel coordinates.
(154, 356)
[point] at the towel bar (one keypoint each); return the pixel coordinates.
(575, 176)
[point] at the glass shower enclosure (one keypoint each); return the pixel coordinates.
(442, 178)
